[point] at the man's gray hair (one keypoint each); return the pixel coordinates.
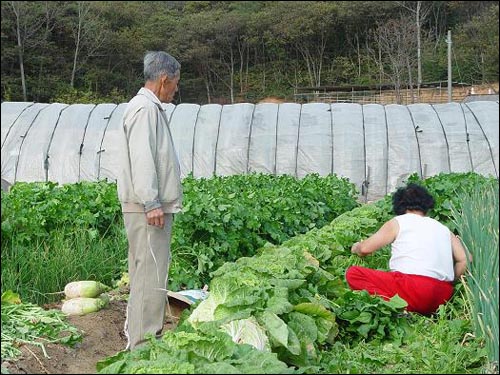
(158, 63)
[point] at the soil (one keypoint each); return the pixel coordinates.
(103, 336)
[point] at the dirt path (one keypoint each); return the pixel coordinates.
(102, 337)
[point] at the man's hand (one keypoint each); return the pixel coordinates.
(156, 217)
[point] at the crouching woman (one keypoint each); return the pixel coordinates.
(426, 257)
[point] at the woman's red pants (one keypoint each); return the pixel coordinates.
(424, 294)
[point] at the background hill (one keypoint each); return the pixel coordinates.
(233, 51)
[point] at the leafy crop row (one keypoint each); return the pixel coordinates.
(54, 234)
(225, 218)
(31, 211)
(295, 297)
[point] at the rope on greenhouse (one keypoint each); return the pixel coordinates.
(13, 122)
(100, 146)
(276, 141)
(46, 161)
(387, 148)
(445, 138)
(487, 139)
(297, 146)
(194, 136)
(418, 143)
(217, 142)
(331, 130)
(171, 114)
(22, 142)
(467, 138)
(97, 162)
(83, 141)
(364, 185)
(250, 138)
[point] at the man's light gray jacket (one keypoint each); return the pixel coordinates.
(149, 175)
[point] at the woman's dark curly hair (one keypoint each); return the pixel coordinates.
(412, 197)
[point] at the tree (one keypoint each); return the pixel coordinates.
(219, 48)
(357, 19)
(395, 41)
(196, 46)
(88, 34)
(266, 48)
(306, 26)
(28, 20)
(230, 42)
(421, 10)
(476, 46)
(51, 12)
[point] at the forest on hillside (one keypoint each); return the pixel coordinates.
(234, 51)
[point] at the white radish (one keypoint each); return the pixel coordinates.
(84, 305)
(89, 289)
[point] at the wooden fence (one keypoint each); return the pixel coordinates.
(436, 94)
(427, 95)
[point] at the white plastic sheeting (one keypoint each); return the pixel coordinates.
(91, 141)
(231, 150)
(262, 144)
(287, 135)
(205, 140)
(32, 162)
(16, 122)
(64, 151)
(375, 146)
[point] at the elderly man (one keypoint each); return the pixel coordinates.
(150, 192)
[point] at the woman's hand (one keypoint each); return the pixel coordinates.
(355, 248)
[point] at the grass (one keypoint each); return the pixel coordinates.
(39, 272)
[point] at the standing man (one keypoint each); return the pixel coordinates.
(150, 192)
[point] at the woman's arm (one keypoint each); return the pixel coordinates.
(384, 236)
(459, 256)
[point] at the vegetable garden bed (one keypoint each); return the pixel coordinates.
(304, 319)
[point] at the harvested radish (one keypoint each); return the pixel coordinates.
(84, 305)
(89, 289)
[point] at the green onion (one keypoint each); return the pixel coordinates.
(477, 222)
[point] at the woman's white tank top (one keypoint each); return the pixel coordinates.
(422, 247)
